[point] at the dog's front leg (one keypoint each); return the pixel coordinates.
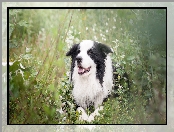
(83, 115)
(95, 113)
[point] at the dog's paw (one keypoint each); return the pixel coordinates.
(83, 115)
(95, 113)
(91, 118)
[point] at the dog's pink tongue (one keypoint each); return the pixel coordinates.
(80, 70)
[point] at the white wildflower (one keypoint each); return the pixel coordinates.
(68, 73)
(28, 49)
(64, 118)
(95, 38)
(119, 86)
(22, 66)
(116, 41)
(77, 40)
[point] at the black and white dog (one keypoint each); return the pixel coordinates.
(92, 75)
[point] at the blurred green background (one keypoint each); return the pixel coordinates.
(40, 92)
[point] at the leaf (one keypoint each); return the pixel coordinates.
(46, 109)
(27, 74)
(14, 67)
(51, 87)
(131, 58)
(27, 56)
(23, 23)
(34, 73)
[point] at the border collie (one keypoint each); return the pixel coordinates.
(92, 76)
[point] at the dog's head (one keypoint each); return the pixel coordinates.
(88, 57)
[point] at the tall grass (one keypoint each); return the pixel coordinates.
(40, 92)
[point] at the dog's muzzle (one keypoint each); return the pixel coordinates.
(79, 60)
(81, 69)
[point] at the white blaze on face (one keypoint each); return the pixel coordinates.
(87, 63)
(85, 45)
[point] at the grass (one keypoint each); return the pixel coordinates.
(39, 89)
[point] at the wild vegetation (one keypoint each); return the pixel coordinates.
(39, 87)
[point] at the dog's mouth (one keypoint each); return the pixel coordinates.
(82, 70)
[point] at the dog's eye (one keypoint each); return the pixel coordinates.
(89, 52)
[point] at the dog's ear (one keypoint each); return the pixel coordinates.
(104, 48)
(72, 50)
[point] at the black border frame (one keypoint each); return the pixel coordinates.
(75, 8)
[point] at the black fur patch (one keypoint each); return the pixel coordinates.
(73, 52)
(98, 54)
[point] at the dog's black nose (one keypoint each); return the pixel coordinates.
(79, 59)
